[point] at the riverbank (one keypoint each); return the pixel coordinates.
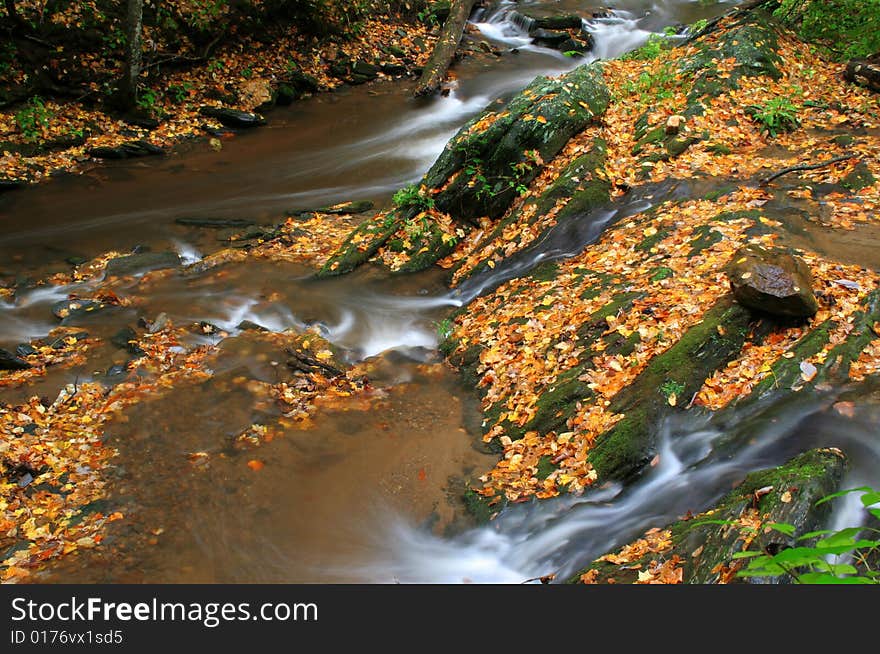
(269, 66)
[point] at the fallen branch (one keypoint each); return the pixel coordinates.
(802, 167)
(444, 50)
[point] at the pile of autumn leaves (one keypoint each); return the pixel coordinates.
(528, 328)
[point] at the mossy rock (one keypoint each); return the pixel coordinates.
(622, 452)
(480, 169)
(706, 543)
(858, 178)
(753, 45)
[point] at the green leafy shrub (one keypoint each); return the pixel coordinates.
(412, 196)
(845, 556)
(33, 119)
(775, 116)
(846, 28)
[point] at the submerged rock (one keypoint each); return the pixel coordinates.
(233, 117)
(549, 38)
(8, 361)
(214, 223)
(75, 308)
(141, 262)
(129, 150)
(772, 281)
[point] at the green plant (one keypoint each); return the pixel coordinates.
(776, 115)
(654, 87)
(697, 27)
(671, 390)
(845, 28)
(843, 556)
(216, 66)
(653, 48)
(247, 72)
(444, 329)
(33, 119)
(147, 100)
(179, 92)
(412, 197)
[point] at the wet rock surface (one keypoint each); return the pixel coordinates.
(772, 281)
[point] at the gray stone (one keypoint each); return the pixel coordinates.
(772, 281)
(141, 262)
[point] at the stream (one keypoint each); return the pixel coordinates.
(363, 494)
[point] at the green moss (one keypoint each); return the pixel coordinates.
(624, 449)
(840, 358)
(545, 468)
(786, 371)
(858, 178)
(706, 238)
(649, 242)
(719, 149)
(546, 272)
(707, 543)
(482, 508)
(660, 273)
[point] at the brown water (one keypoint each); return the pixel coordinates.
(320, 509)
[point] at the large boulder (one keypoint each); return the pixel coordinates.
(772, 281)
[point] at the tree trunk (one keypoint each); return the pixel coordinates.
(134, 22)
(444, 50)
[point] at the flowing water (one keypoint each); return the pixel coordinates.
(369, 492)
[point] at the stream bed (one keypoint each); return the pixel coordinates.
(367, 492)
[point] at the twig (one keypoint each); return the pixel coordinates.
(802, 167)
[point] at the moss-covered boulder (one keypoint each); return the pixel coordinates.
(668, 381)
(772, 281)
(497, 153)
(700, 549)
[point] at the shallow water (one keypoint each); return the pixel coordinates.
(361, 495)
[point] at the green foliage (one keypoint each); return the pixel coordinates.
(654, 87)
(846, 28)
(845, 556)
(776, 115)
(177, 93)
(652, 49)
(147, 100)
(33, 119)
(670, 388)
(412, 196)
(444, 329)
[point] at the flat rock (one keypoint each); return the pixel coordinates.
(215, 223)
(75, 308)
(8, 361)
(772, 281)
(128, 150)
(141, 262)
(233, 117)
(558, 22)
(549, 38)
